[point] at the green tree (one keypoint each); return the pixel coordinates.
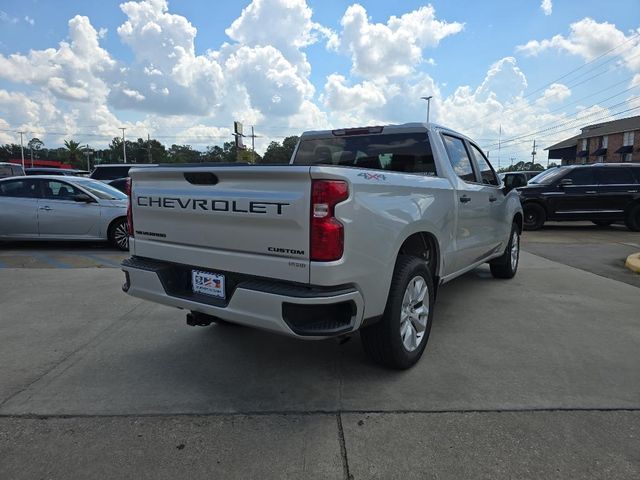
(73, 153)
(183, 154)
(9, 151)
(35, 144)
(522, 166)
(277, 153)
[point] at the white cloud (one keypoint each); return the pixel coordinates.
(547, 7)
(284, 24)
(261, 76)
(29, 20)
(556, 92)
(6, 18)
(390, 49)
(102, 33)
(589, 39)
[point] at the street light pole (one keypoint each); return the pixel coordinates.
(124, 148)
(428, 99)
(22, 149)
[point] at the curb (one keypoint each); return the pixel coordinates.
(633, 262)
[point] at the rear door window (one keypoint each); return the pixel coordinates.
(614, 176)
(19, 188)
(459, 158)
(394, 152)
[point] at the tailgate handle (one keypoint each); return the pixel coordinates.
(201, 178)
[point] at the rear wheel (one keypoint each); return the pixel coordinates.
(506, 265)
(400, 337)
(602, 223)
(632, 220)
(118, 234)
(534, 216)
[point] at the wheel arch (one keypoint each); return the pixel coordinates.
(518, 220)
(423, 245)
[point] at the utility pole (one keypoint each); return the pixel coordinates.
(533, 153)
(124, 148)
(499, 144)
(149, 147)
(428, 99)
(22, 149)
(87, 152)
(253, 146)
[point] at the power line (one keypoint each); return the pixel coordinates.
(583, 65)
(569, 128)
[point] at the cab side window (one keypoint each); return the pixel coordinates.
(459, 158)
(55, 190)
(486, 172)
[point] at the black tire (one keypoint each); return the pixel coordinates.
(506, 265)
(118, 234)
(383, 341)
(602, 223)
(534, 216)
(632, 220)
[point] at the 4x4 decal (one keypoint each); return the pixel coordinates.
(372, 176)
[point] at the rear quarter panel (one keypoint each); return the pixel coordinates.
(383, 209)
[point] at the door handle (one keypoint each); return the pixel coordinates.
(590, 191)
(465, 199)
(47, 208)
(632, 191)
(493, 199)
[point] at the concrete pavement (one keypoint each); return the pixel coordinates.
(526, 378)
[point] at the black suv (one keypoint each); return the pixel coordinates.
(601, 193)
(112, 171)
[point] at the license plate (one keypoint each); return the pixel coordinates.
(207, 283)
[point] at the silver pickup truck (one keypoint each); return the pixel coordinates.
(356, 233)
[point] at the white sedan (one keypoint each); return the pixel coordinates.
(49, 207)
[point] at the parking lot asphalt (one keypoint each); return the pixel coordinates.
(60, 255)
(536, 377)
(600, 250)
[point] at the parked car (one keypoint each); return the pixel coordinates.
(53, 171)
(62, 208)
(113, 171)
(10, 170)
(525, 175)
(356, 234)
(120, 184)
(602, 193)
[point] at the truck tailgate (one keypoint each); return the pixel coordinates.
(244, 219)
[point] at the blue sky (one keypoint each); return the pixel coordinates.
(333, 72)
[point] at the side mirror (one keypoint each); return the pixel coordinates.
(514, 181)
(82, 197)
(565, 182)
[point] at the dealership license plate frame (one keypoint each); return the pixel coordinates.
(210, 284)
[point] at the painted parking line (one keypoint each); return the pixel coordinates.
(50, 260)
(102, 260)
(59, 260)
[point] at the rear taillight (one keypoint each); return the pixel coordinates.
(327, 233)
(129, 212)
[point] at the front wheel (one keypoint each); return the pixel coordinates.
(506, 265)
(118, 234)
(400, 337)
